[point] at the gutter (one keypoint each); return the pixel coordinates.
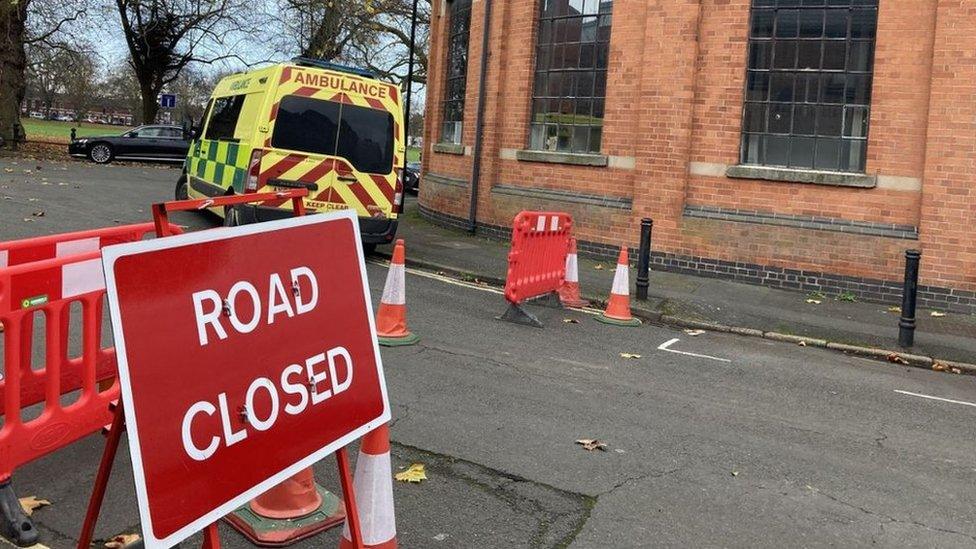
(480, 122)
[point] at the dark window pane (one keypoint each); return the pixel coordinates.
(777, 151)
(780, 117)
(856, 122)
(752, 149)
(306, 124)
(755, 118)
(784, 55)
(829, 120)
(811, 23)
(860, 56)
(760, 55)
(807, 88)
(834, 55)
(223, 118)
(835, 24)
(863, 23)
(762, 23)
(782, 87)
(366, 139)
(832, 88)
(805, 119)
(457, 68)
(808, 56)
(787, 24)
(802, 150)
(852, 155)
(757, 86)
(858, 89)
(828, 154)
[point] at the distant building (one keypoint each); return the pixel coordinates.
(802, 145)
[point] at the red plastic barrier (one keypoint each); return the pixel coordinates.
(537, 260)
(49, 287)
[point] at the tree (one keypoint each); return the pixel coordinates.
(83, 89)
(53, 71)
(164, 37)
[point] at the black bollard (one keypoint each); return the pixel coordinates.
(74, 134)
(644, 258)
(906, 324)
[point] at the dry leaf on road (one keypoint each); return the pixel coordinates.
(122, 540)
(939, 367)
(896, 358)
(570, 321)
(896, 310)
(32, 503)
(937, 314)
(591, 444)
(414, 473)
(694, 333)
(629, 355)
(814, 301)
(38, 213)
(598, 266)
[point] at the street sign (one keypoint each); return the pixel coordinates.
(245, 355)
(167, 100)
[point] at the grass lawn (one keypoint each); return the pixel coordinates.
(413, 154)
(53, 130)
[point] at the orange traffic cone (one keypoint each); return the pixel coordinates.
(373, 486)
(391, 319)
(569, 292)
(618, 308)
(293, 510)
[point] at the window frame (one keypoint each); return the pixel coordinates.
(239, 99)
(848, 134)
(458, 43)
(591, 70)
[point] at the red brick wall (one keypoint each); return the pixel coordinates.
(675, 92)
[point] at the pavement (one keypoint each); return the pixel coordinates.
(713, 440)
(694, 301)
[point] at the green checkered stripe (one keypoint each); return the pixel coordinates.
(224, 165)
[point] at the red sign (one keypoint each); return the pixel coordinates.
(245, 355)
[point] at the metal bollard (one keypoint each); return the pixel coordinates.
(906, 324)
(74, 134)
(644, 258)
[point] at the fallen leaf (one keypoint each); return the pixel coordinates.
(629, 355)
(814, 301)
(440, 537)
(8, 170)
(896, 310)
(802, 343)
(27, 171)
(38, 213)
(31, 504)
(896, 358)
(591, 444)
(735, 473)
(121, 540)
(570, 321)
(937, 314)
(938, 367)
(28, 219)
(956, 371)
(694, 332)
(598, 266)
(414, 473)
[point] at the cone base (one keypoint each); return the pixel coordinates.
(617, 321)
(409, 339)
(347, 544)
(267, 532)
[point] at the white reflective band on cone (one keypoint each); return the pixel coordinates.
(572, 268)
(621, 281)
(3, 258)
(72, 247)
(540, 223)
(81, 278)
(393, 292)
(554, 224)
(374, 498)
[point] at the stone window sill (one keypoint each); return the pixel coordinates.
(813, 177)
(552, 157)
(449, 148)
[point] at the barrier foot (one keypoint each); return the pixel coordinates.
(14, 524)
(550, 300)
(515, 313)
(269, 532)
(618, 321)
(409, 339)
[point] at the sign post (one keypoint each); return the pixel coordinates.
(245, 355)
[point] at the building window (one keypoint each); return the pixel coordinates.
(570, 75)
(808, 85)
(457, 70)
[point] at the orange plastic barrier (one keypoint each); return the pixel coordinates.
(537, 260)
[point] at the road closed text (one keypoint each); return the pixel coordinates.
(307, 382)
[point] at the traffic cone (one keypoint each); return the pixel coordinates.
(569, 292)
(618, 308)
(373, 486)
(391, 319)
(291, 511)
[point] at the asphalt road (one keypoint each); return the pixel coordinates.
(714, 441)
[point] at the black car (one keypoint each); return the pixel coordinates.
(411, 179)
(166, 143)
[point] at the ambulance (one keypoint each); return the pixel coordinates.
(334, 130)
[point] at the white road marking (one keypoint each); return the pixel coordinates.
(930, 397)
(667, 344)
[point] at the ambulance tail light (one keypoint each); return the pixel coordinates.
(398, 192)
(253, 170)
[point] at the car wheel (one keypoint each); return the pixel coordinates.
(100, 153)
(182, 189)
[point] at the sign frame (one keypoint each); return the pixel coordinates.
(110, 255)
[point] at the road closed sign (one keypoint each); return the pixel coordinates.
(245, 355)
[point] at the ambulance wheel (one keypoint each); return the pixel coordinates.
(182, 189)
(101, 153)
(231, 218)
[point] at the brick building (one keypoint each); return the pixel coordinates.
(803, 144)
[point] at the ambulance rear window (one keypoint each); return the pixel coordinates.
(361, 135)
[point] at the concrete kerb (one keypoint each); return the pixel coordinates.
(647, 315)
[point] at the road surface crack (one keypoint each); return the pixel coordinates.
(887, 519)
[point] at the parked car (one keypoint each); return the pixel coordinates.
(411, 179)
(165, 143)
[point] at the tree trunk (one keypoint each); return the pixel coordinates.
(323, 42)
(13, 63)
(150, 104)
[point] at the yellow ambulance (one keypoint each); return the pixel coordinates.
(336, 131)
